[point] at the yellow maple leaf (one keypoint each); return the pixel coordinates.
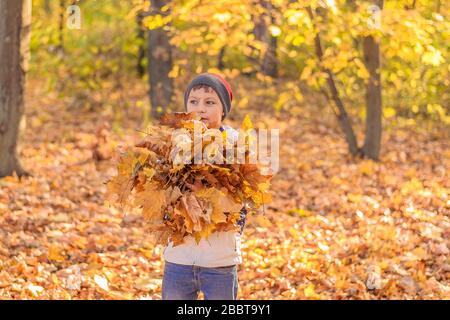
(149, 172)
(204, 232)
(173, 194)
(188, 223)
(246, 123)
(119, 188)
(142, 155)
(263, 221)
(221, 202)
(260, 198)
(263, 186)
(152, 200)
(126, 163)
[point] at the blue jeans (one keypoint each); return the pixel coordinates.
(183, 282)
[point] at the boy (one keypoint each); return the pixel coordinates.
(211, 265)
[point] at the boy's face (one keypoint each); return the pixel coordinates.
(208, 106)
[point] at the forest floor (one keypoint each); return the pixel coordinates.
(338, 228)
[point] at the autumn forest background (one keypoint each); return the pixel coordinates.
(359, 91)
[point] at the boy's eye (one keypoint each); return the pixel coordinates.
(212, 102)
(193, 101)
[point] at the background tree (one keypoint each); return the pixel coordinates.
(14, 54)
(220, 36)
(264, 29)
(371, 48)
(333, 95)
(140, 14)
(61, 21)
(160, 61)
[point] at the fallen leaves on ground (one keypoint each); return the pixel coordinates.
(338, 228)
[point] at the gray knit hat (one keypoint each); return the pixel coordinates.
(220, 86)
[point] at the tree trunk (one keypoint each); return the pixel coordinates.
(341, 113)
(15, 19)
(372, 142)
(159, 65)
(220, 63)
(141, 50)
(269, 64)
(62, 10)
(412, 6)
(48, 7)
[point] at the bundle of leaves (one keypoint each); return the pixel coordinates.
(195, 192)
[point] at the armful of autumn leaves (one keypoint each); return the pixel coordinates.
(188, 198)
